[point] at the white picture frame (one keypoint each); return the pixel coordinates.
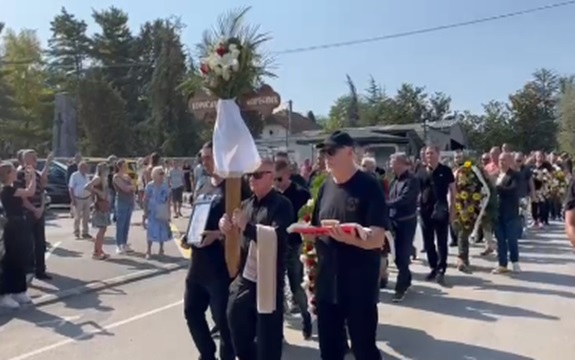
(197, 223)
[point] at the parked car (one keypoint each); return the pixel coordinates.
(57, 187)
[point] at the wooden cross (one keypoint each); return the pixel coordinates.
(203, 106)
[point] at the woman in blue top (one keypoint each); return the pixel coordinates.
(157, 211)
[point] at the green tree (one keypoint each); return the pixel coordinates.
(173, 126)
(68, 48)
(533, 113)
(103, 116)
(352, 110)
(25, 75)
(114, 50)
(566, 134)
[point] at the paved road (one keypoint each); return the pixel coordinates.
(478, 317)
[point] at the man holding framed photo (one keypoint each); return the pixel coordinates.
(208, 280)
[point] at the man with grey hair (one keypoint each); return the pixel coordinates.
(402, 203)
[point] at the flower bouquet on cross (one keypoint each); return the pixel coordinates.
(229, 80)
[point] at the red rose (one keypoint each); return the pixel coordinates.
(311, 277)
(306, 218)
(204, 68)
(311, 289)
(308, 247)
(310, 262)
(221, 51)
(312, 302)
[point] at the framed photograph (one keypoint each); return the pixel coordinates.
(198, 220)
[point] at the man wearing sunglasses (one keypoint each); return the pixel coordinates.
(266, 207)
(347, 283)
(298, 196)
(294, 176)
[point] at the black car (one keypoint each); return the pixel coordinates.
(57, 186)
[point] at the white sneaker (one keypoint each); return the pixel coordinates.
(22, 298)
(120, 250)
(128, 248)
(7, 301)
(516, 267)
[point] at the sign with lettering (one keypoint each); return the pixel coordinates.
(264, 100)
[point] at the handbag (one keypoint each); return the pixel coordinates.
(162, 210)
(102, 205)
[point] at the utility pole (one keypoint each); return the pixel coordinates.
(288, 130)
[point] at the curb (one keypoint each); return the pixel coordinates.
(102, 284)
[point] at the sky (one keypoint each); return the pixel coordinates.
(472, 64)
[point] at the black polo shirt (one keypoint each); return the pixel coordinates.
(434, 186)
(344, 271)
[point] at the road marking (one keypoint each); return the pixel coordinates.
(52, 248)
(186, 253)
(88, 334)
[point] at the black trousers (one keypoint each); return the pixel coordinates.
(198, 296)
(19, 248)
(294, 269)
(432, 230)
(540, 211)
(404, 231)
(38, 227)
(246, 324)
(361, 320)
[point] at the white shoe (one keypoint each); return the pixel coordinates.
(516, 267)
(128, 248)
(7, 301)
(120, 250)
(22, 298)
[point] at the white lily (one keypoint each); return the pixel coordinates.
(226, 74)
(235, 65)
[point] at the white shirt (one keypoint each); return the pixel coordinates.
(78, 183)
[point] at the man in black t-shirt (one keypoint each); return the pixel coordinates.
(437, 182)
(208, 280)
(298, 196)
(347, 284)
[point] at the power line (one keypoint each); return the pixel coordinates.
(351, 42)
(427, 30)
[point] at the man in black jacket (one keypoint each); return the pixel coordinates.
(298, 196)
(402, 205)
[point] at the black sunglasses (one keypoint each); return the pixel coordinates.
(258, 174)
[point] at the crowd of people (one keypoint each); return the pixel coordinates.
(485, 201)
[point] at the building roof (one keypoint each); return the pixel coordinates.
(299, 123)
(361, 135)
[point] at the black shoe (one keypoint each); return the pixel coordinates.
(307, 327)
(398, 296)
(43, 276)
(440, 278)
(383, 283)
(453, 244)
(414, 253)
(431, 276)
